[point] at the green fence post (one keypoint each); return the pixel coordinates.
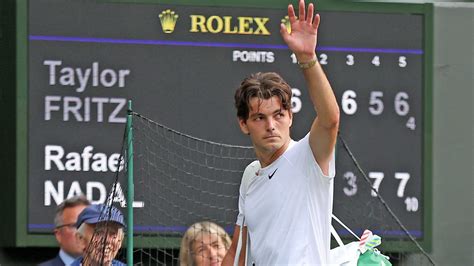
(130, 194)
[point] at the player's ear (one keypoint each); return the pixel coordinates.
(243, 126)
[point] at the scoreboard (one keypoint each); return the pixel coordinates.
(181, 63)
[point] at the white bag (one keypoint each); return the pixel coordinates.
(344, 255)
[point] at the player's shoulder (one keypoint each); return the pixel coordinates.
(255, 165)
(297, 148)
(250, 171)
(249, 175)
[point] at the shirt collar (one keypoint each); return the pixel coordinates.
(270, 166)
(67, 259)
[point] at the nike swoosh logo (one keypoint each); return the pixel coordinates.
(271, 175)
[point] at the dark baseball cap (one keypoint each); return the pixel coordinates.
(97, 213)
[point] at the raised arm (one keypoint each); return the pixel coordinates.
(302, 42)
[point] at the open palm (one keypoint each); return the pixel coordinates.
(303, 37)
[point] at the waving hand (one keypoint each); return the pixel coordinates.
(304, 31)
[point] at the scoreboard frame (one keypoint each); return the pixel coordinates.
(17, 164)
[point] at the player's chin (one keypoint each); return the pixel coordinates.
(272, 147)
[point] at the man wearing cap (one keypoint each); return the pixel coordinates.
(100, 231)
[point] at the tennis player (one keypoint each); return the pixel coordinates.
(286, 196)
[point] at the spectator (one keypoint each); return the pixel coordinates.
(65, 231)
(100, 231)
(204, 243)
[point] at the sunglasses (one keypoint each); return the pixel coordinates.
(71, 225)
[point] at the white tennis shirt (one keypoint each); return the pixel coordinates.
(287, 207)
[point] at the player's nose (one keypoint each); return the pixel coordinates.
(270, 124)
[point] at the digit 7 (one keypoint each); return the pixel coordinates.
(378, 176)
(404, 180)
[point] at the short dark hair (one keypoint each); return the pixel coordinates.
(264, 86)
(69, 203)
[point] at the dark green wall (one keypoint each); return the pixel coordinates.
(7, 120)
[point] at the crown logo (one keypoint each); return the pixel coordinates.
(168, 20)
(286, 22)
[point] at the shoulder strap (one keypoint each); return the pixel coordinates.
(343, 225)
(336, 236)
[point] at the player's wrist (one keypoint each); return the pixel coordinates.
(307, 62)
(305, 57)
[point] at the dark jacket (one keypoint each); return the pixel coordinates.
(78, 261)
(56, 261)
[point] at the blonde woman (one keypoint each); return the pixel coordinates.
(204, 243)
